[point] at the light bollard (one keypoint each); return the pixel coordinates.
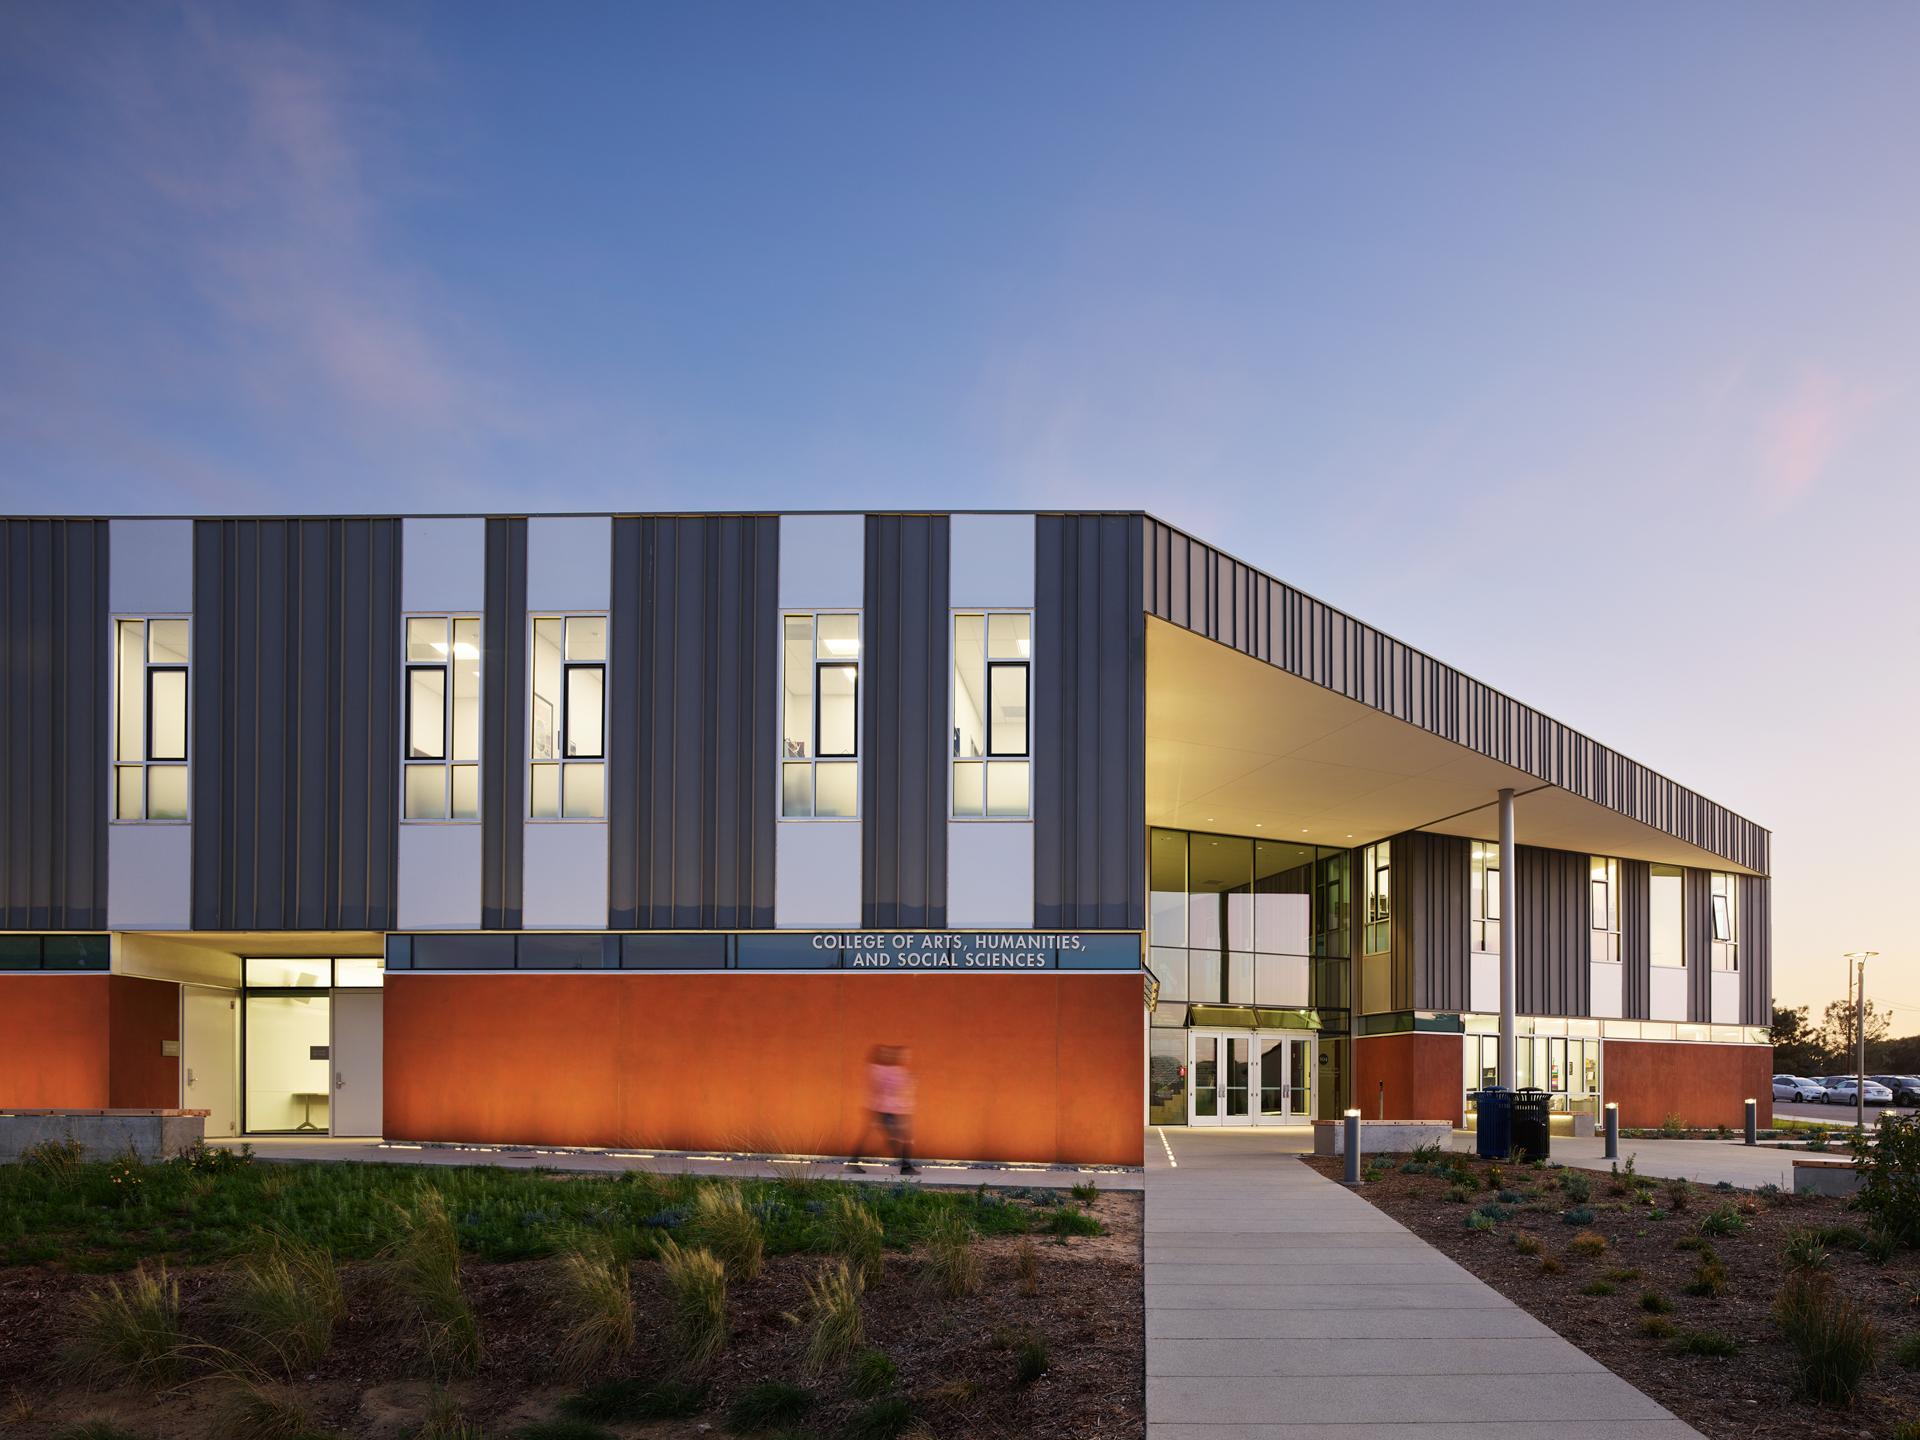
(1753, 1122)
(1353, 1147)
(1613, 1131)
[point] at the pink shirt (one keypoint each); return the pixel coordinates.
(890, 1089)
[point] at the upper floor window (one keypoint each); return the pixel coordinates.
(1376, 872)
(567, 728)
(1666, 923)
(1604, 881)
(150, 729)
(1723, 895)
(442, 748)
(1484, 903)
(992, 729)
(820, 717)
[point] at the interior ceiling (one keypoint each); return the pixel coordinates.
(1238, 746)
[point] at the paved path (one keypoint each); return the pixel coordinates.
(1281, 1306)
(1707, 1161)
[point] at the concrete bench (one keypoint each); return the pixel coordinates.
(1825, 1177)
(104, 1134)
(1381, 1137)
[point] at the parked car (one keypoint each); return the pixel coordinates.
(1840, 1090)
(1798, 1089)
(1905, 1088)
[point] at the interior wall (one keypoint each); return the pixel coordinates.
(280, 1032)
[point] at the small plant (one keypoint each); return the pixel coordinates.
(1575, 1185)
(1072, 1220)
(955, 1263)
(697, 1290)
(1030, 1361)
(882, 1420)
(127, 1177)
(1550, 1266)
(1672, 1128)
(1889, 1169)
(1907, 1430)
(57, 1162)
(129, 1331)
(1622, 1275)
(422, 1275)
(1086, 1193)
(1599, 1287)
(1707, 1343)
(1579, 1215)
(1026, 1266)
(1588, 1243)
(284, 1304)
(854, 1234)
(1803, 1251)
(833, 1304)
(768, 1406)
(1907, 1353)
(1880, 1245)
(445, 1422)
(1657, 1327)
(1428, 1154)
(636, 1401)
(254, 1412)
(1722, 1220)
(1496, 1177)
(1526, 1244)
(1835, 1344)
(873, 1374)
(1678, 1195)
(1478, 1222)
(1654, 1303)
(1709, 1279)
(1460, 1195)
(594, 1302)
(724, 1225)
(1818, 1141)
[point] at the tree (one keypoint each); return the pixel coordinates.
(1796, 1045)
(1836, 1032)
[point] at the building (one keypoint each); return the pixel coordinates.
(640, 831)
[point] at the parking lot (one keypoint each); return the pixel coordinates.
(1836, 1114)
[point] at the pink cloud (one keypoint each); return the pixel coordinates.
(1800, 438)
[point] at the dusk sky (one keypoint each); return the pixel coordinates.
(1577, 346)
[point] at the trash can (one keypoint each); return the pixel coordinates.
(1494, 1126)
(1529, 1130)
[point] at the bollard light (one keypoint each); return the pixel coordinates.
(1353, 1147)
(1753, 1121)
(1613, 1131)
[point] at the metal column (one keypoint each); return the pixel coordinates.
(1508, 969)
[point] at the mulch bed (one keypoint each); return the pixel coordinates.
(956, 1358)
(1750, 1394)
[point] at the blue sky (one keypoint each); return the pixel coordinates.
(1575, 346)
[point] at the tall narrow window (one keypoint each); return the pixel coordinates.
(1723, 895)
(820, 717)
(1666, 923)
(1483, 904)
(566, 730)
(1604, 882)
(442, 745)
(1376, 864)
(150, 728)
(992, 723)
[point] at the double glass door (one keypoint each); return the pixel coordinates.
(1249, 1077)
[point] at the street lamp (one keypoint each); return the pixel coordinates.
(1859, 959)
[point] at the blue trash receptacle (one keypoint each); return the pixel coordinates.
(1493, 1130)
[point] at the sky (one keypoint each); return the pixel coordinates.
(1575, 346)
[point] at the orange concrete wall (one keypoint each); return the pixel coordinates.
(54, 1050)
(142, 1015)
(1422, 1074)
(1008, 1067)
(1702, 1084)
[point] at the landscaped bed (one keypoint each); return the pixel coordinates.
(1679, 1287)
(397, 1301)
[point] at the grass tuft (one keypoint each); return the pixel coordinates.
(724, 1225)
(445, 1422)
(1654, 1303)
(257, 1412)
(99, 1427)
(422, 1275)
(1805, 1250)
(838, 1324)
(1907, 1352)
(1706, 1343)
(1588, 1243)
(1085, 1193)
(129, 1332)
(883, 1420)
(955, 1262)
(1030, 1361)
(284, 1304)
(1709, 1279)
(1835, 1344)
(594, 1301)
(768, 1406)
(854, 1233)
(1599, 1287)
(1026, 1266)
(697, 1287)
(623, 1402)
(1657, 1327)
(874, 1374)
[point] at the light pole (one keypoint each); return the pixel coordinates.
(1859, 994)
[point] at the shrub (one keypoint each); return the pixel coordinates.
(1496, 1177)
(728, 1230)
(1672, 1128)
(1709, 1278)
(883, 1420)
(1907, 1352)
(129, 1331)
(1723, 1219)
(1575, 1185)
(1695, 1242)
(833, 1303)
(58, 1163)
(1879, 1246)
(1030, 1361)
(874, 1374)
(956, 1264)
(1526, 1244)
(284, 1304)
(1588, 1243)
(1579, 1215)
(1706, 1343)
(1428, 1154)
(1803, 1251)
(854, 1234)
(1889, 1170)
(697, 1293)
(253, 1412)
(1072, 1220)
(1835, 1345)
(1026, 1266)
(594, 1300)
(768, 1406)
(1476, 1221)
(1679, 1195)
(1599, 1287)
(1657, 1327)
(422, 1275)
(1459, 1195)
(636, 1401)
(1654, 1303)
(1623, 1275)
(1086, 1193)
(1550, 1266)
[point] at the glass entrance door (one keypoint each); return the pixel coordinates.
(1249, 1078)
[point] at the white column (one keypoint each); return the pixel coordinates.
(1508, 967)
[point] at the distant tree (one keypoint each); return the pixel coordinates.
(1796, 1045)
(1895, 1057)
(1836, 1033)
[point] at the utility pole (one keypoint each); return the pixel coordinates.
(1859, 959)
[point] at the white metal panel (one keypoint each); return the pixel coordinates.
(1723, 996)
(359, 1061)
(210, 1056)
(439, 873)
(823, 562)
(1483, 982)
(443, 566)
(150, 569)
(989, 874)
(992, 559)
(816, 874)
(569, 563)
(149, 876)
(1668, 996)
(565, 871)
(1607, 991)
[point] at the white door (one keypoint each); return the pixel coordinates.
(1219, 1075)
(358, 1061)
(1283, 1078)
(210, 1056)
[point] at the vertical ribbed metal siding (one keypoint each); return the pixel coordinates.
(903, 839)
(296, 632)
(55, 724)
(503, 729)
(1696, 910)
(1756, 950)
(1089, 703)
(694, 722)
(1430, 890)
(1636, 938)
(1553, 910)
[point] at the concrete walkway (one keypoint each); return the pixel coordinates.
(1707, 1161)
(1281, 1306)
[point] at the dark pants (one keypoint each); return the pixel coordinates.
(895, 1130)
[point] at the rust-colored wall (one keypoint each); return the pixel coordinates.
(1702, 1084)
(1422, 1073)
(141, 1015)
(1008, 1067)
(54, 1041)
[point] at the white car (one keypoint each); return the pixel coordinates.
(1798, 1089)
(1840, 1092)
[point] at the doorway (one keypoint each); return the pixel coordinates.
(358, 1061)
(1249, 1077)
(312, 1042)
(210, 1056)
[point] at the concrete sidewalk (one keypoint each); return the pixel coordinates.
(1707, 1161)
(1281, 1306)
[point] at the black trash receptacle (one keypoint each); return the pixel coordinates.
(1529, 1132)
(1493, 1128)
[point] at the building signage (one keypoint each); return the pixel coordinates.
(967, 950)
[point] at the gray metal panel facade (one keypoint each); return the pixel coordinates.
(694, 722)
(1697, 919)
(1090, 722)
(1429, 895)
(1636, 938)
(55, 724)
(296, 716)
(503, 727)
(1197, 587)
(1756, 950)
(1553, 913)
(905, 680)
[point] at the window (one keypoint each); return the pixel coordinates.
(820, 717)
(1484, 903)
(992, 724)
(1723, 894)
(150, 730)
(441, 752)
(1376, 865)
(568, 725)
(1668, 933)
(1604, 874)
